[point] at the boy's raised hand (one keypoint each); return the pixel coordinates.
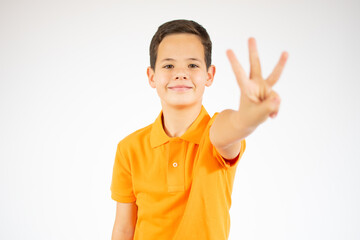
(258, 100)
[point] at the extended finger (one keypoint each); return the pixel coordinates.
(237, 68)
(255, 67)
(275, 75)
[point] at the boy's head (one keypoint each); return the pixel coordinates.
(180, 51)
(180, 26)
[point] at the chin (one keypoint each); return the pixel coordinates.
(181, 103)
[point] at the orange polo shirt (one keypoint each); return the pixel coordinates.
(182, 185)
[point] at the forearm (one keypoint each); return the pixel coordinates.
(121, 235)
(228, 129)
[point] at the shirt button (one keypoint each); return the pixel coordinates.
(175, 164)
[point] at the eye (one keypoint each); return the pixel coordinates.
(193, 65)
(168, 66)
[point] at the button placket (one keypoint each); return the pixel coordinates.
(176, 168)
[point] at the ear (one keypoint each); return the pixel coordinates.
(211, 73)
(150, 73)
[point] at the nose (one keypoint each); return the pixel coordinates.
(180, 77)
(181, 74)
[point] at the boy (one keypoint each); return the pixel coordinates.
(173, 179)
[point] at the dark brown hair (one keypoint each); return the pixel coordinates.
(180, 26)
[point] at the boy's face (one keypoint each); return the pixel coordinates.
(180, 74)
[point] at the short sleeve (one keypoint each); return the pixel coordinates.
(232, 162)
(226, 163)
(121, 184)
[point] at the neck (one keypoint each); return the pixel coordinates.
(176, 120)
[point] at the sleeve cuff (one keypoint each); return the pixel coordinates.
(124, 199)
(226, 163)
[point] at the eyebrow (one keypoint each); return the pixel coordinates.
(171, 59)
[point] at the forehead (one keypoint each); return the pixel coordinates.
(181, 45)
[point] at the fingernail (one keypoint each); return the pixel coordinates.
(273, 115)
(275, 99)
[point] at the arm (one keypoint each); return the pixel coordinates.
(258, 101)
(125, 221)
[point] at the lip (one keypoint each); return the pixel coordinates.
(180, 88)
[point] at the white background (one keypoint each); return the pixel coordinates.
(73, 84)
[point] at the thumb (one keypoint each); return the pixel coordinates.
(271, 105)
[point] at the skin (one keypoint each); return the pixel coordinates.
(180, 61)
(257, 102)
(125, 221)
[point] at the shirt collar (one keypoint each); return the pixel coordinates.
(193, 133)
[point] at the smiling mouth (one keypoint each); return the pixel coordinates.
(180, 88)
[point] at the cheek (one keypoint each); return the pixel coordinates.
(163, 82)
(200, 79)
(160, 81)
